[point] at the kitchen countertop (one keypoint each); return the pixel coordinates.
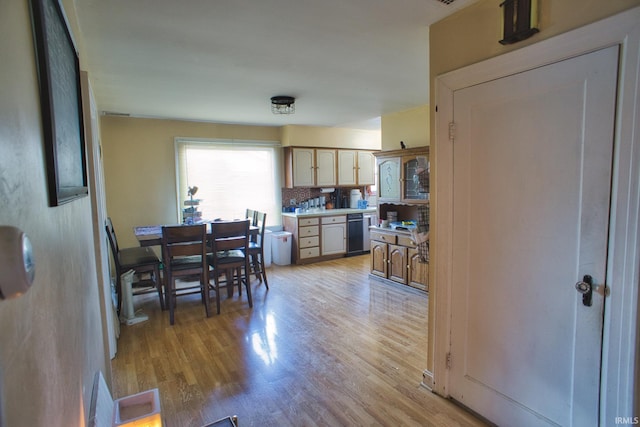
(389, 230)
(328, 212)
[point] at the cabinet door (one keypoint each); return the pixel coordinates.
(418, 271)
(334, 239)
(378, 257)
(325, 167)
(303, 167)
(347, 169)
(366, 168)
(398, 263)
(389, 179)
(411, 191)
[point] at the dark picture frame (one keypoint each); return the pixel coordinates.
(61, 103)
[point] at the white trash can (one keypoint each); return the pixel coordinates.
(281, 247)
(267, 248)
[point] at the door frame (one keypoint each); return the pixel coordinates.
(619, 358)
(99, 214)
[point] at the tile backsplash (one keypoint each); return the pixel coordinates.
(300, 194)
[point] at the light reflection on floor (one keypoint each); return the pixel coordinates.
(263, 341)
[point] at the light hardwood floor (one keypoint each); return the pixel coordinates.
(325, 346)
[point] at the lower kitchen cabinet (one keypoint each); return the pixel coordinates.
(317, 238)
(308, 238)
(334, 235)
(379, 254)
(394, 257)
(418, 271)
(397, 264)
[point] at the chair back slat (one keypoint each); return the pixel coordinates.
(227, 235)
(184, 240)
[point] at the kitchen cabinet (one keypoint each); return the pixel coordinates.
(418, 271)
(394, 257)
(308, 238)
(318, 237)
(334, 235)
(366, 168)
(310, 167)
(389, 188)
(397, 176)
(356, 167)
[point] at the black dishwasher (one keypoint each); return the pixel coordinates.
(354, 234)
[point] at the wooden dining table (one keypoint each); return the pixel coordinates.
(151, 235)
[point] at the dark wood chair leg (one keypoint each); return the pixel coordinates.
(263, 270)
(155, 278)
(204, 291)
(256, 266)
(172, 302)
(248, 287)
(217, 289)
(119, 292)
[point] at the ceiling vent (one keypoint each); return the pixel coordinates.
(446, 1)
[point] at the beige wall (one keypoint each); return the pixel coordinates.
(51, 341)
(410, 126)
(472, 35)
(139, 166)
(316, 136)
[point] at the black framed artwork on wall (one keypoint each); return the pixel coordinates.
(61, 103)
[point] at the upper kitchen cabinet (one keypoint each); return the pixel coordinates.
(356, 167)
(390, 179)
(310, 167)
(398, 179)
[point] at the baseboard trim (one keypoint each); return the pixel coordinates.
(427, 380)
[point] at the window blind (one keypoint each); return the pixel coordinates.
(231, 176)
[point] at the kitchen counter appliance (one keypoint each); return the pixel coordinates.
(354, 234)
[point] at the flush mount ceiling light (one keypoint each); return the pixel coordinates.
(283, 104)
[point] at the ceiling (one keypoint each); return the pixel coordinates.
(347, 62)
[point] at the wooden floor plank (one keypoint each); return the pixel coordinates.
(324, 346)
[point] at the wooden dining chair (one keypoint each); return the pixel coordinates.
(229, 241)
(256, 249)
(142, 260)
(184, 253)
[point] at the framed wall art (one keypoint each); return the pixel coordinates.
(61, 103)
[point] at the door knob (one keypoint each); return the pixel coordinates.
(585, 287)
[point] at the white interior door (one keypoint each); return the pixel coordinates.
(531, 188)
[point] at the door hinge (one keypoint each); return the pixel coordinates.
(452, 131)
(449, 360)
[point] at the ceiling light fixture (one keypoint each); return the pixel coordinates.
(283, 104)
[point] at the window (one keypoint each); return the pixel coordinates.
(231, 176)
